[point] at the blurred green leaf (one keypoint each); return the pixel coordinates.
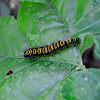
(37, 1)
(83, 85)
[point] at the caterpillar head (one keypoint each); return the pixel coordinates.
(28, 53)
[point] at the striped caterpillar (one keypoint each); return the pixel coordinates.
(50, 49)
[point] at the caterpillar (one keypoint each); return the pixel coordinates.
(50, 49)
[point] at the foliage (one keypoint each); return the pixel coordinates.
(54, 77)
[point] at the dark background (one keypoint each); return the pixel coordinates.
(9, 7)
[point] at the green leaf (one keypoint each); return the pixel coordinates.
(97, 41)
(83, 7)
(87, 42)
(41, 25)
(44, 26)
(68, 6)
(83, 85)
(32, 78)
(89, 24)
(37, 1)
(12, 41)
